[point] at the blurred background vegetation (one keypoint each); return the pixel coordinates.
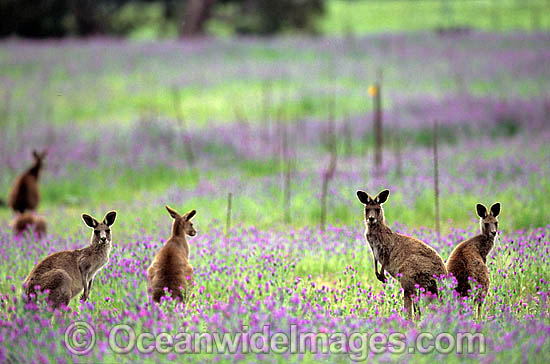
(488, 89)
(190, 18)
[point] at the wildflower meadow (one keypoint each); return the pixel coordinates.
(269, 140)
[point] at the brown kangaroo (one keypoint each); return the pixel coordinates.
(468, 259)
(65, 274)
(407, 259)
(27, 222)
(170, 267)
(25, 194)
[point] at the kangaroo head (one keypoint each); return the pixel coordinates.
(102, 230)
(488, 220)
(182, 223)
(374, 213)
(39, 158)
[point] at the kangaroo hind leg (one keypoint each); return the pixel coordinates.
(59, 283)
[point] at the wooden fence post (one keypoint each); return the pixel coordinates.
(436, 181)
(378, 132)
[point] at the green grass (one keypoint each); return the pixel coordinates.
(110, 184)
(69, 87)
(135, 193)
(372, 16)
(258, 193)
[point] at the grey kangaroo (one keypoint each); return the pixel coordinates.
(65, 274)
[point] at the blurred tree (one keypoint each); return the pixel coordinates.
(87, 17)
(197, 12)
(244, 16)
(57, 18)
(268, 17)
(33, 18)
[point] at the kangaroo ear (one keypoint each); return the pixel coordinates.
(172, 212)
(90, 221)
(188, 216)
(110, 218)
(481, 210)
(382, 197)
(35, 154)
(363, 197)
(495, 209)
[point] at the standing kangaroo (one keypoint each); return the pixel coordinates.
(407, 259)
(468, 259)
(170, 268)
(25, 194)
(65, 274)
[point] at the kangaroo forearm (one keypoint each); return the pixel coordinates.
(383, 272)
(85, 284)
(90, 285)
(381, 276)
(84, 276)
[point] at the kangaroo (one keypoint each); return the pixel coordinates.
(468, 259)
(28, 221)
(407, 259)
(25, 194)
(170, 267)
(65, 274)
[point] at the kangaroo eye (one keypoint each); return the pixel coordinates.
(108, 231)
(496, 225)
(486, 225)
